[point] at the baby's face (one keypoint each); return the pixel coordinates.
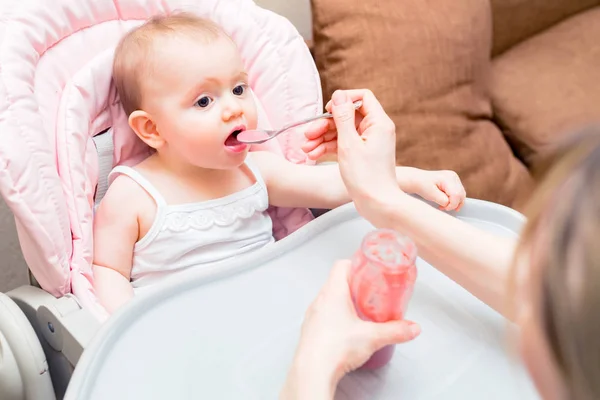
(198, 96)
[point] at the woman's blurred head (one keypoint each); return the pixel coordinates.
(559, 306)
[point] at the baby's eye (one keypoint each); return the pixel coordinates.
(204, 101)
(239, 90)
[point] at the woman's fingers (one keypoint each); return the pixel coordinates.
(343, 114)
(329, 136)
(370, 103)
(326, 128)
(318, 128)
(339, 276)
(394, 332)
(328, 141)
(324, 148)
(312, 144)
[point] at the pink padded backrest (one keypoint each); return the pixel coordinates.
(56, 93)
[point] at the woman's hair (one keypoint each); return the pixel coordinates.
(562, 239)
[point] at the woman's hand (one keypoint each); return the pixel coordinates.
(322, 135)
(366, 148)
(335, 341)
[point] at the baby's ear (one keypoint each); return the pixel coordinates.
(143, 125)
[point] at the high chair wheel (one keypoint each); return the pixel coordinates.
(24, 373)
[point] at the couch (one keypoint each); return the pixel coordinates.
(480, 87)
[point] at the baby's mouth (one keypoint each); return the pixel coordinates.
(231, 140)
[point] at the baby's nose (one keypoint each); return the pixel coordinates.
(232, 108)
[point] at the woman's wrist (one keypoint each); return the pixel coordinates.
(380, 208)
(310, 377)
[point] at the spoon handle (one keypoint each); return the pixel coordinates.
(357, 105)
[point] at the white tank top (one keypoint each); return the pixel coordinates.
(199, 234)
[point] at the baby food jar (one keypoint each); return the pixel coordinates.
(382, 282)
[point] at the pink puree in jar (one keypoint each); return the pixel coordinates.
(382, 282)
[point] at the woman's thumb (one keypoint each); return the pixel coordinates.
(394, 332)
(343, 115)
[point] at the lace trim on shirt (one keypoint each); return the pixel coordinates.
(228, 214)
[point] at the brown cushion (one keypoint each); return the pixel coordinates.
(517, 20)
(426, 62)
(549, 85)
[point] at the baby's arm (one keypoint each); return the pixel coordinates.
(293, 185)
(115, 233)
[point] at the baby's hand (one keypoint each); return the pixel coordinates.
(442, 187)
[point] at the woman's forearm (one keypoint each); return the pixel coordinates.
(477, 260)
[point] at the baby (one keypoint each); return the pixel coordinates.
(201, 197)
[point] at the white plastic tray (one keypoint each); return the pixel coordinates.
(230, 333)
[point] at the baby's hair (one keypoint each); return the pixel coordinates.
(134, 53)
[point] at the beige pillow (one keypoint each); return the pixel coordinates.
(549, 85)
(517, 20)
(427, 62)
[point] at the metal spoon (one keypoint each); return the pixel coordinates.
(257, 136)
